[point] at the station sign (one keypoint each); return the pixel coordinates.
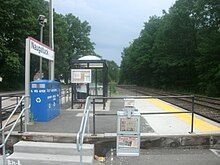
(35, 47)
(128, 132)
(40, 49)
(81, 76)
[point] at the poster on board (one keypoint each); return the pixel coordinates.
(129, 124)
(81, 76)
(128, 132)
(128, 145)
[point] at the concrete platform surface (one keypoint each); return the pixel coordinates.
(173, 123)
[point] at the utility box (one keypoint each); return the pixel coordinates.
(45, 100)
(128, 132)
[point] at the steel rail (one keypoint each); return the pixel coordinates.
(189, 101)
(2, 130)
(81, 132)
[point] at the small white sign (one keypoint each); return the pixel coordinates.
(14, 162)
(40, 49)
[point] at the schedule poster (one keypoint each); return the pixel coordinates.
(128, 124)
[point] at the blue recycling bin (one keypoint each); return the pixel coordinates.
(45, 100)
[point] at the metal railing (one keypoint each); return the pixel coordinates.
(147, 113)
(91, 101)
(5, 126)
(8, 101)
(66, 94)
(84, 123)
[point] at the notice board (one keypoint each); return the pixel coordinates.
(82, 76)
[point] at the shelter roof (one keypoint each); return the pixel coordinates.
(89, 57)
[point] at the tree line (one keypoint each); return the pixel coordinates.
(18, 21)
(179, 50)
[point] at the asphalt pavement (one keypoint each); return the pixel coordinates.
(69, 120)
(168, 157)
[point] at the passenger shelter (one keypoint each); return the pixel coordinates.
(99, 68)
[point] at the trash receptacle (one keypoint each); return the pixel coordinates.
(45, 101)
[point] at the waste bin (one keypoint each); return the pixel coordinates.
(45, 100)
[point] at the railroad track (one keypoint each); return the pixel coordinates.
(205, 106)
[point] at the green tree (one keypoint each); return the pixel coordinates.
(72, 44)
(18, 21)
(113, 71)
(179, 50)
(207, 14)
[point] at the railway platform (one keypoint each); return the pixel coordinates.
(154, 123)
(158, 131)
(178, 123)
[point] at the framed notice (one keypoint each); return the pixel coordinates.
(81, 76)
(128, 145)
(129, 124)
(128, 132)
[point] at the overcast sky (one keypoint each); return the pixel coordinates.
(114, 23)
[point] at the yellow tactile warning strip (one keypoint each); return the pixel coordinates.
(199, 124)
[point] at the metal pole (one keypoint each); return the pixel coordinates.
(89, 106)
(21, 121)
(87, 85)
(72, 95)
(27, 78)
(192, 122)
(105, 85)
(3, 148)
(81, 161)
(51, 40)
(1, 111)
(68, 94)
(41, 40)
(96, 81)
(93, 102)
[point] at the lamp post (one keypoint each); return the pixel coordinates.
(51, 39)
(42, 21)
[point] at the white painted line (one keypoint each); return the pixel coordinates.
(216, 152)
(81, 115)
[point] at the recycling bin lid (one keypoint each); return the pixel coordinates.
(43, 81)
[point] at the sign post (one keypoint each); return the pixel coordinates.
(128, 132)
(37, 48)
